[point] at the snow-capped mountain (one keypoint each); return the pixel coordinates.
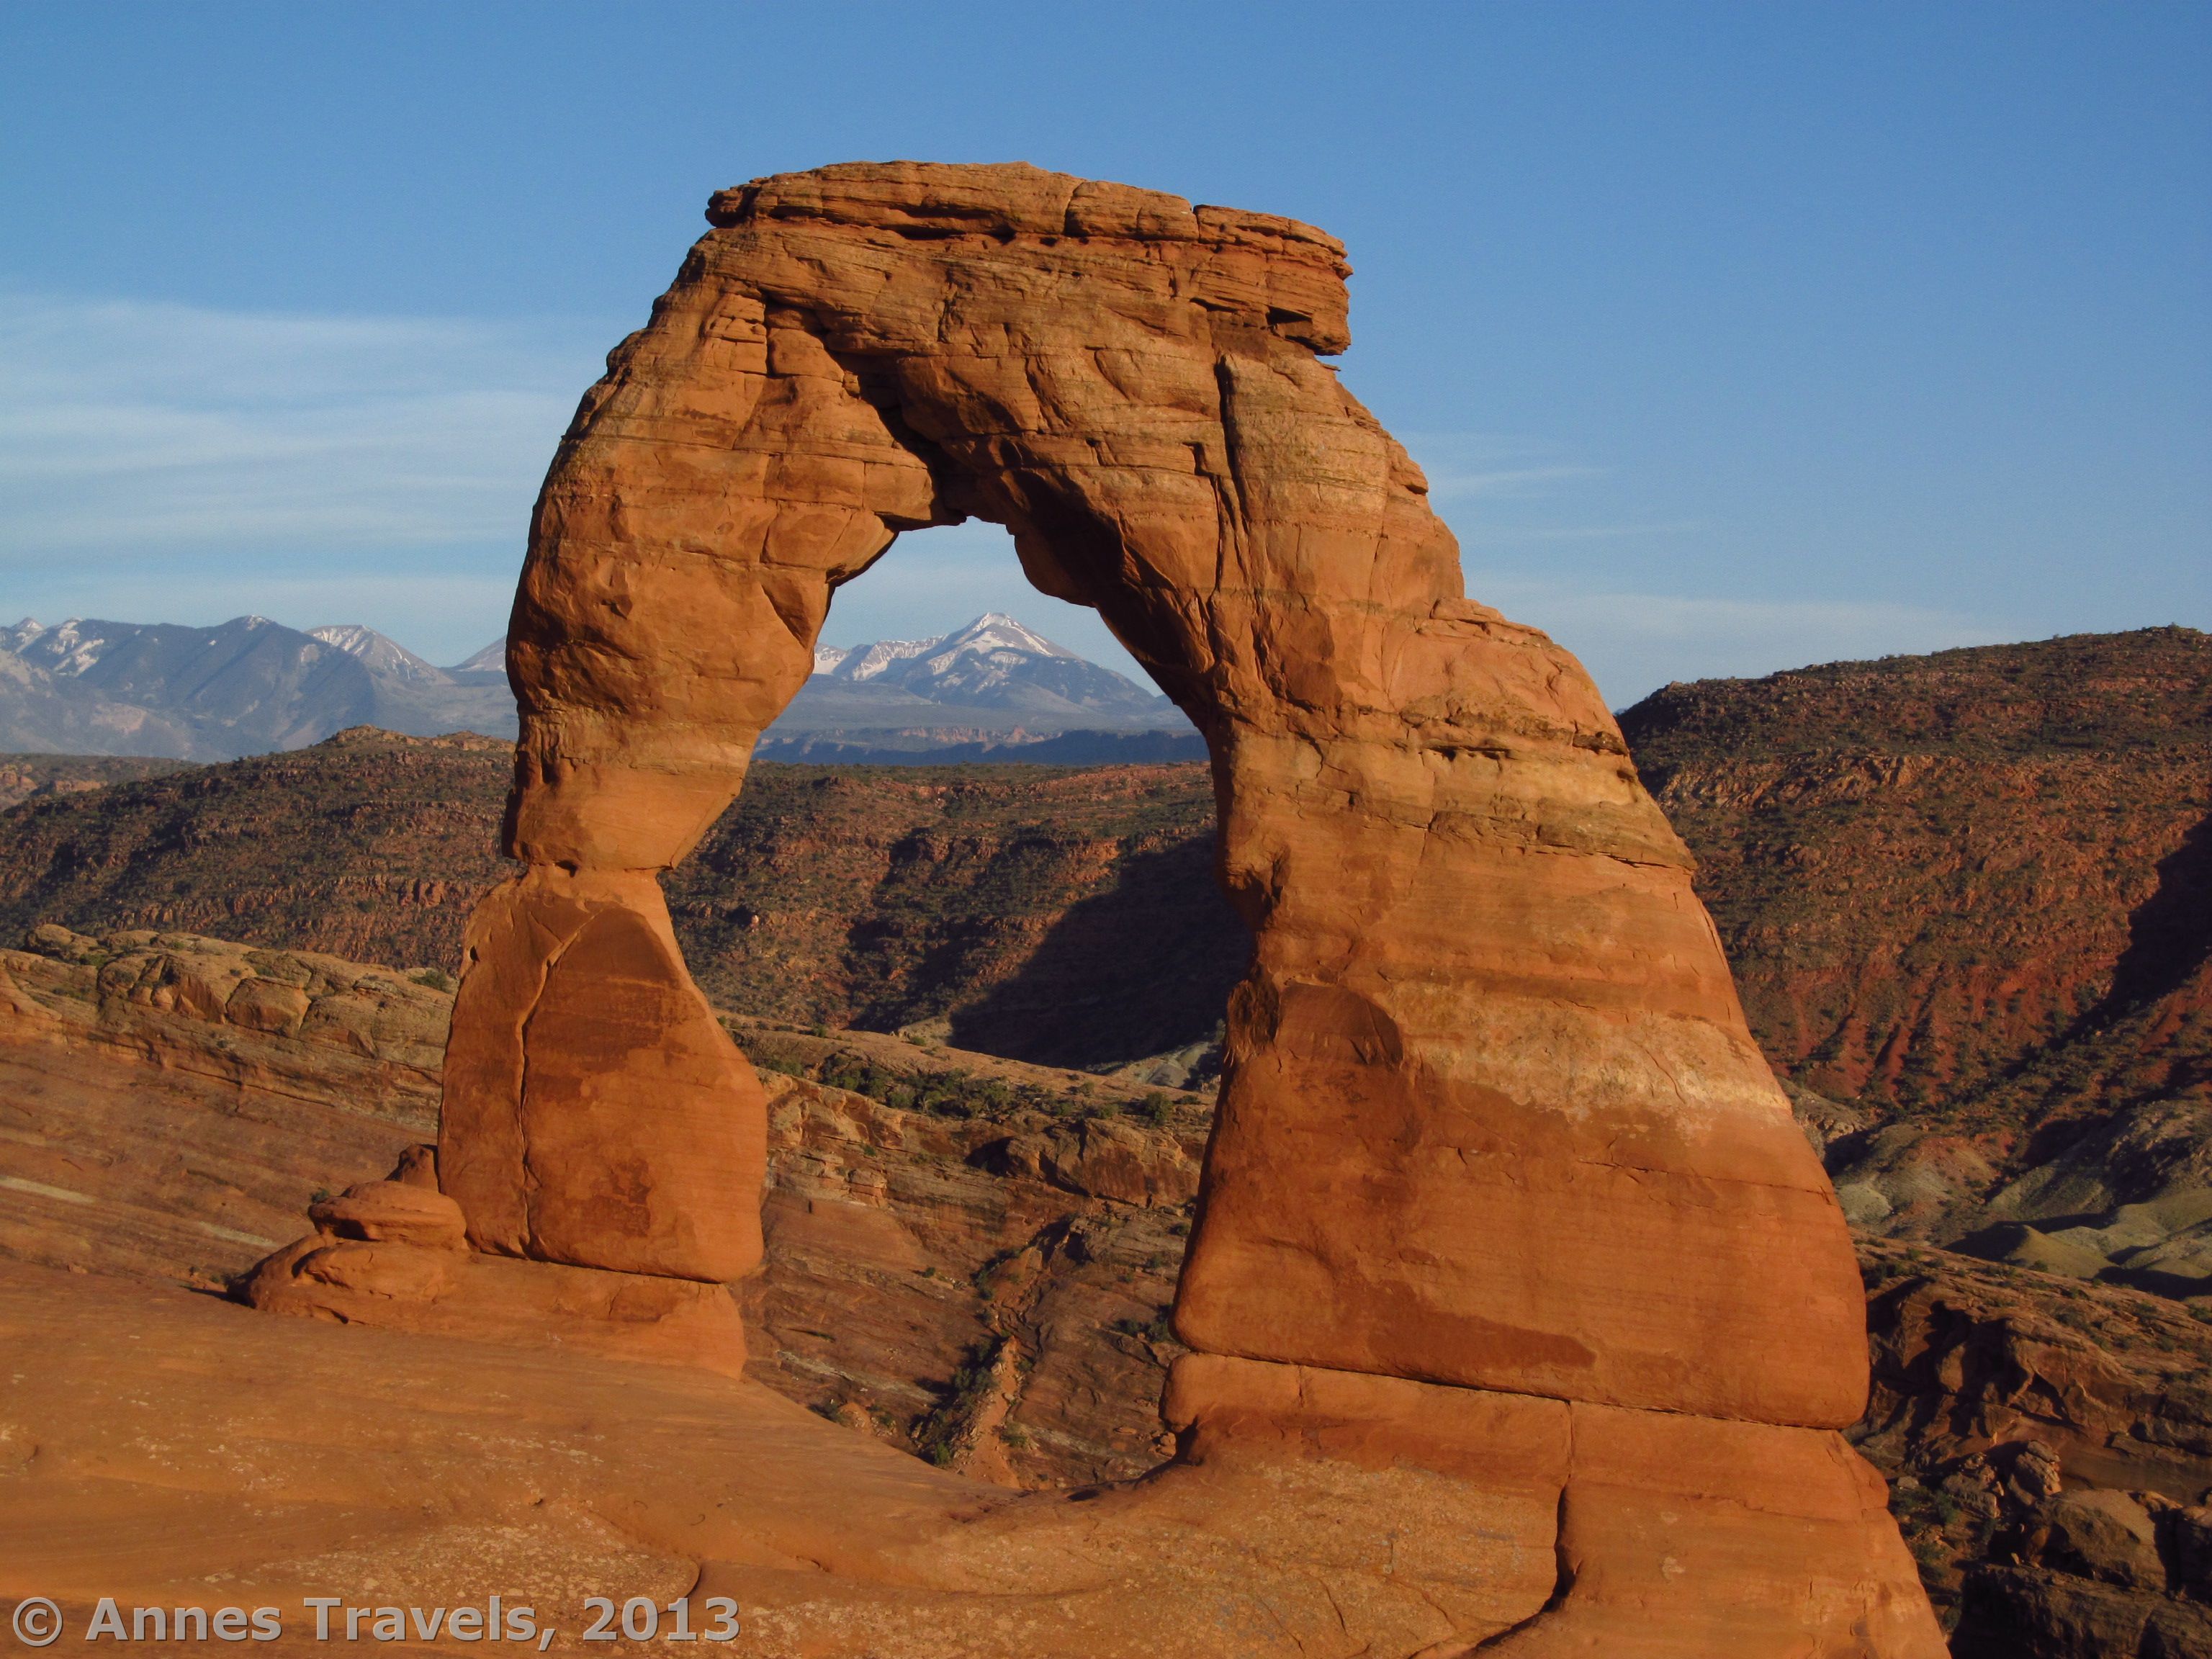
(993, 674)
(380, 654)
(246, 687)
(993, 640)
(491, 661)
(251, 685)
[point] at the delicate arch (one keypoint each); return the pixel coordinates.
(1490, 1119)
(1492, 1116)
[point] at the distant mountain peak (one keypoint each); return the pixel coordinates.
(378, 651)
(242, 687)
(67, 648)
(492, 659)
(993, 631)
(989, 673)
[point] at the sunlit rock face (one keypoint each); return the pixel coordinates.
(1494, 1131)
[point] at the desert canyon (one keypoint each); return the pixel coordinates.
(1514, 1311)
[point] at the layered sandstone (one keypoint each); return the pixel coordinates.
(1492, 1122)
(1427, 814)
(171, 1103)
(295, 1022)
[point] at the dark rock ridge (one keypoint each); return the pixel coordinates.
(22, 776)
(973, 897)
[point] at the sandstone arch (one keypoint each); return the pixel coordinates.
(1498, 1171)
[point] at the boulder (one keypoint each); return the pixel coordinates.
(393, 1212)
(2106, 1535)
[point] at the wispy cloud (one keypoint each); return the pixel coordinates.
(1475, 465)
(127, 428)
(1632, 643)
(1521, 535)
(162, 462)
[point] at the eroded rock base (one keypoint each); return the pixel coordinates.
(394, 1253)
(1647, 1512)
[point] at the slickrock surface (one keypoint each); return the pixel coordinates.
(171, 1103)
(1491, 1119)
(1012, 1326)
(265, 1459)
(286, 1021)
(1008, 1211)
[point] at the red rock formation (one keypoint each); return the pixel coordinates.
(1493, 1121)
(391, 1253)
(632, 1137)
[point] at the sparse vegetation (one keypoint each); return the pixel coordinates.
(937, 1435)
(1159, 1328)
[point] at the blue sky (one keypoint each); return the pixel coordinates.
(1735, 336)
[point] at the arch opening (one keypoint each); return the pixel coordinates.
(1023, 864)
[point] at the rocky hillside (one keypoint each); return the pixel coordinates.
(370, 845)
(1969, 901)
(1059, 915)
(1050, 913)
(1930, 868)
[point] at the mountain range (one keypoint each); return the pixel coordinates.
(246, 687)
(992, 690)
